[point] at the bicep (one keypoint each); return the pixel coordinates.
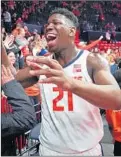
(104, 77)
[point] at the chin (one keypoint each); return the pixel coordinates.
(52, 49)
(13, 63)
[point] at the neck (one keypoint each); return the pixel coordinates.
(66, 55)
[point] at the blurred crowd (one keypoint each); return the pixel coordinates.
(92, 15)
(20, 42)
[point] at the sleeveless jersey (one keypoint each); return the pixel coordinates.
(69, 124)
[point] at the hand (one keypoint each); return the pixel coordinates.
(54, 72)
(8, 41)
(6, 75)
(30, 38)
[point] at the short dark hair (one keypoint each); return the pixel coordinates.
(68, 14)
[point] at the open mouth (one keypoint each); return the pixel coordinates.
(51, 39)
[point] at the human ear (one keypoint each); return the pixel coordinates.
(72, 32)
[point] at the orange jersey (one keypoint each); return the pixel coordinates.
(114, 120)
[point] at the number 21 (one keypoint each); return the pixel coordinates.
(59, 97)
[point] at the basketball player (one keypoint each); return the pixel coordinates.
(74, 84)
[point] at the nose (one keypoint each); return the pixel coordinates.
(49, 27)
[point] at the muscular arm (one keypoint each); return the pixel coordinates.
(105, 93)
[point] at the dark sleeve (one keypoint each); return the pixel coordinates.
(23, 116)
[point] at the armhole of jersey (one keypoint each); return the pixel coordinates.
(86, 73)
(42, 95)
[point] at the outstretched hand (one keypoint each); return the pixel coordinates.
(53, 71)
(8, 42)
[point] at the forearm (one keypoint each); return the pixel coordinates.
(102, 96)
(4, 57)
(25, 78)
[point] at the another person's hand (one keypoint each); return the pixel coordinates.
(53, 71)
(9, 40)
(6, 75)
(30, 38)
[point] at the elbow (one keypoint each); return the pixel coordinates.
(113, 101)
(32, 121)
(118, 105)
(117, 102)
(29, 120)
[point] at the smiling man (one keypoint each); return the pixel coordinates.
(73, 86)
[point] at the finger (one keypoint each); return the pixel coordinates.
(32, 58)
(34, 65)
(54, 80)
(47, 72)
(45, 60)
(10, 41)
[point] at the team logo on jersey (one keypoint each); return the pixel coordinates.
(77, 68)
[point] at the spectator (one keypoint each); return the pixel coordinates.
(11, 57)
(108, 36)
(107, 26)
(113, 32)
(27, 33)
(14, 18)
(21, 42)
(19, 21)
(11, 46)
(4, 34)
(22, 117)
(7, 21)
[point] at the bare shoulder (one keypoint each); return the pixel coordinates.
(100, 70)
(97, 62)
